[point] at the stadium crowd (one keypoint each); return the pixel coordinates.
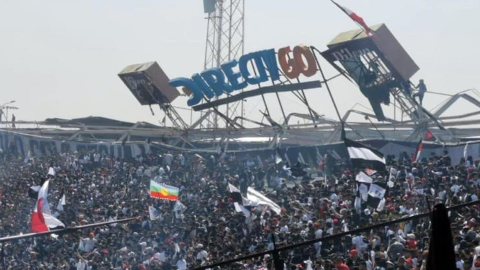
(208, 229)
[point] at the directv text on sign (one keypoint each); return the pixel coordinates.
(225, 79)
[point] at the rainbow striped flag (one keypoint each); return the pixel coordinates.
(162, 191)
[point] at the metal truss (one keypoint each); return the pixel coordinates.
(225, 42)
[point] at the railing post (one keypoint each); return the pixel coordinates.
(277, 262)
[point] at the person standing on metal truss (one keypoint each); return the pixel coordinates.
(421, 89)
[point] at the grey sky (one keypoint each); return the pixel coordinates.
(60, 58)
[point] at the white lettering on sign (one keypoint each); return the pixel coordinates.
(345, 54)
(132, 83)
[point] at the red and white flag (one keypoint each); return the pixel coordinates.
(354, 17)
(37, 222)
(418, 151)
(42, 218)
(429, 136)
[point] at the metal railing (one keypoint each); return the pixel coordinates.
(275, 252)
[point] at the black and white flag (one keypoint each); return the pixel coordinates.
(363, 178)
(235, 194)
(253, 199)
(33, 192)
(238, 200)
(370, 193)
(259, 199)
(363, 156)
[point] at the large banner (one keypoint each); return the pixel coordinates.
(312, 155)
(45, 146)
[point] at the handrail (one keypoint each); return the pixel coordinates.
(326, 238)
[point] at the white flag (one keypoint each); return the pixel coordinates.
(51, 171)
(261, 199)
(278, 159)
(358, 203)
(392, 174)
(381, 205)
(179, 206)
(52, 222)
(376, 191)
(363, 192)
(287, 170)
(465, 151)
(241, 209)
(61, 203)
(153, 213)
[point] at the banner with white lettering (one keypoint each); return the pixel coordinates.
(37, 146)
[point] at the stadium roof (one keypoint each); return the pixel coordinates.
(95, 121)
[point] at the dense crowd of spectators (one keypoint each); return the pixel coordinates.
(100, 188)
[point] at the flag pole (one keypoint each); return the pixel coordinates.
(367, 29)
(340, 7)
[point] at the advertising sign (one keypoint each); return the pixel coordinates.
(236, 75)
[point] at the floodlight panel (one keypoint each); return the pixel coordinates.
(209, 6)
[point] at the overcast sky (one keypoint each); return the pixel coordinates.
(61, 58)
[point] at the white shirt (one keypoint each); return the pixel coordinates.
(401, 236)
(160, 256)
(182, 159)
(168, 159)
(359, 244)
(459, 264)
(442, 194)
(182, 264)
(88, 244)
(299, 224)
(476, 250)
(202, 255)
(369, 265)
(284, 229)
(477, 182)
(306, 217)
(81, 266)
(415, 262)
(455, 188)
(309, 264)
